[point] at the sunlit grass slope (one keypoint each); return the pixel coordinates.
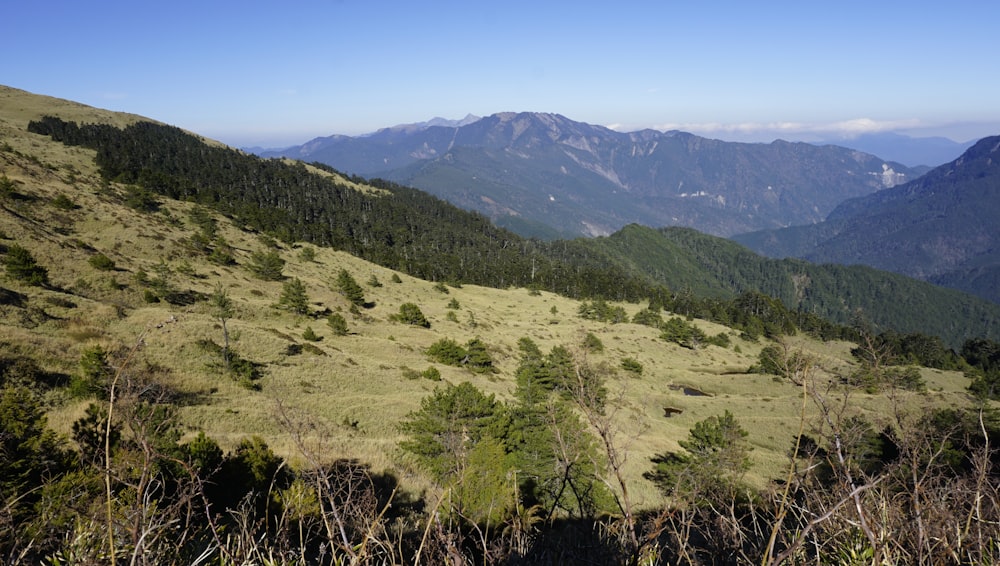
(345, 394)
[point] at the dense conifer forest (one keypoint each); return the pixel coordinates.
(397, 227)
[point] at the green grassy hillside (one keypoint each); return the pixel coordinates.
(130, 274)
(359, 377)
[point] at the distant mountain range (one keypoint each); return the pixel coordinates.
(941, 227)
(908, 150)
(544, 175)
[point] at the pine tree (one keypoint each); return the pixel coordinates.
(410, 313)
(267, 265)
(222, 307)
(20, 264)
(337, 324)
(477, 357)
(294, 297)
(449, 424)
(350, 289)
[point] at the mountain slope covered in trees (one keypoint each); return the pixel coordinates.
(545, 175)
(405, 229)
(702, 265)
(940, 228)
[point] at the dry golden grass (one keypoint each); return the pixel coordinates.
(352, 389)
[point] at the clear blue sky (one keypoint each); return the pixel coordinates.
(280, 73)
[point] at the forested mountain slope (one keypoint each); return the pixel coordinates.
(544, 174)
(703, 265)
(406, 229)
(941, 227)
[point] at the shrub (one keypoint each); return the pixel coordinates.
(307, 254)
(447, 351)
(185, 268)
(601, 311)
(448, 425)
(721, 340)
(410, 313)
(337, 324)
(648, 317)
(592, 343)
(632, 365)
(310, 349)
(141, 199)
(7, 187)
(478, 358)
(101, 262)
(203, 219)
(682, 332)
(309, 335)
(267, 265)
(63, 202)
(350, 289)
(474, 355)
(716, 457)
(771, 361)
(222, 253)
(241, 370)
(94, 373)
(20, 264)
(873, 380)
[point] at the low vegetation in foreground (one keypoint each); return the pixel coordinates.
(178, 388)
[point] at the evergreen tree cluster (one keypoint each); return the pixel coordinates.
(538, 434)
(400, 228)
(984, 357)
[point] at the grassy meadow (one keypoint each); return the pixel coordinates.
(343, 396)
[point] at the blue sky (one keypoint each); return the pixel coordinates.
(281, 73)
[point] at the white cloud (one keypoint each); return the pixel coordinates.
(843, 128)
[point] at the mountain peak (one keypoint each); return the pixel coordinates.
(940, 227)
(536, 169)
(436, 121)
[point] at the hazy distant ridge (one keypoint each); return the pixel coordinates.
(547, 175)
